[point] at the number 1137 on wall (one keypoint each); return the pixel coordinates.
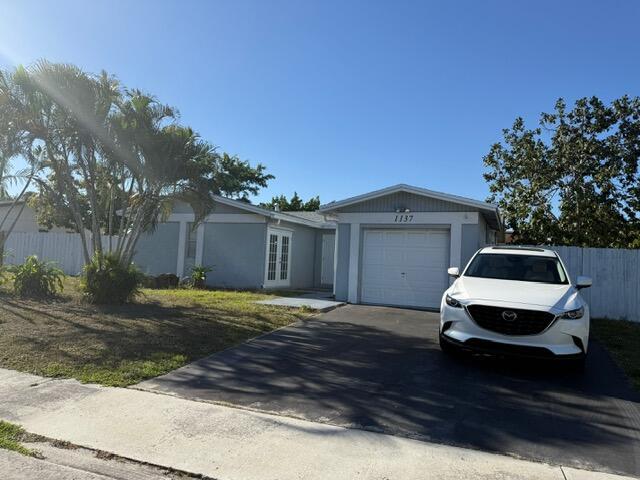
(404, 218)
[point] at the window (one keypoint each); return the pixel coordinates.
(273, 256)
(192, 240)
(524, 268)
(284, 262)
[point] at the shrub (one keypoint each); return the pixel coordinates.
(4, 270)
(148, 281)
(35, 278)
(167, 280)
(199, 276)
(107, 281)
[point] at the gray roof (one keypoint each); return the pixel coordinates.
(310, 216)
(310, 219)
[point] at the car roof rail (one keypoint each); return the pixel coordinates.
(517, 247)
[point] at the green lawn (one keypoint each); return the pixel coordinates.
(123, 345)
(622, 339)
(10, 437)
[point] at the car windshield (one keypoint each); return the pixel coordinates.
(524, 268)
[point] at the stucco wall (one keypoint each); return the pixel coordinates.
(471, 241)
(482, 231)
(303, 252)
(342, 265)
(236, 252)
(157, 252)
(317, 258)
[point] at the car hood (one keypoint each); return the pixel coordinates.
(515, 293)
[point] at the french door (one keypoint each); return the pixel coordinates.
(278, 266)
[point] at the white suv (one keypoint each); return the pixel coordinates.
(516, 300)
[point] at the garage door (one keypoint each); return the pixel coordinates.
(405, 267)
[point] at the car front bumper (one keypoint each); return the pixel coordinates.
(563, 338)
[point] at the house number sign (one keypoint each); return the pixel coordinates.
(403, 218)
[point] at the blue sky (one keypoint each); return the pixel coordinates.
(338, 98)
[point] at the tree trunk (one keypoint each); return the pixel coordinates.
(2, 239)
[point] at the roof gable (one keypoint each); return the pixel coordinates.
(408, 189)
(402, 196)
(402, 201)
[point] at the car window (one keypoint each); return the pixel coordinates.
(525, 268)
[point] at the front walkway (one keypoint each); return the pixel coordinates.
(229, 444)
(320, 301)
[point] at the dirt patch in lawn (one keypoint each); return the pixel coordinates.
(123, 345)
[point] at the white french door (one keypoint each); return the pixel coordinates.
(278, 261)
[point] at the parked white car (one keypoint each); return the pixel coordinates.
(516, 301)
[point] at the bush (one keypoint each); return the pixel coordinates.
(148, 281)
(4, 270)
(167, 280)
(109, 281)
(35, 278)
(199, 276)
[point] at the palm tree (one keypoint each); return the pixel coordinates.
(14, 144)
(112, 160)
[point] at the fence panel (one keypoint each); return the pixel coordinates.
(63, 248)
(616, 279)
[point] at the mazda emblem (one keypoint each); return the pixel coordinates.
(509, 316)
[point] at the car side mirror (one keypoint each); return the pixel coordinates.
(453, 271)
(583, 282)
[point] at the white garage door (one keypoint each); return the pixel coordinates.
(405, 267)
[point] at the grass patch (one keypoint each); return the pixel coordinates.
(622, 339)
(10, 437)
(125, 344)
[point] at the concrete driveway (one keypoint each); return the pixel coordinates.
(381, 369)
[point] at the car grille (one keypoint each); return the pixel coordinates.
(526, 322)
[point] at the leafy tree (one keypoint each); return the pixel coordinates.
(574, 179)
(113, 160)
(296, 204)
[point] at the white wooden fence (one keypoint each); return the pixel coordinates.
(65, 249)
(616, 279)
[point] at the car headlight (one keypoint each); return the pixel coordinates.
(573, 314)
(452, 302)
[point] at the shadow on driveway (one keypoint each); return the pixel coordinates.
(381, 369)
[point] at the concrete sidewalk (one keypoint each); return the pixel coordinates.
(233, 444)
(56, 463)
